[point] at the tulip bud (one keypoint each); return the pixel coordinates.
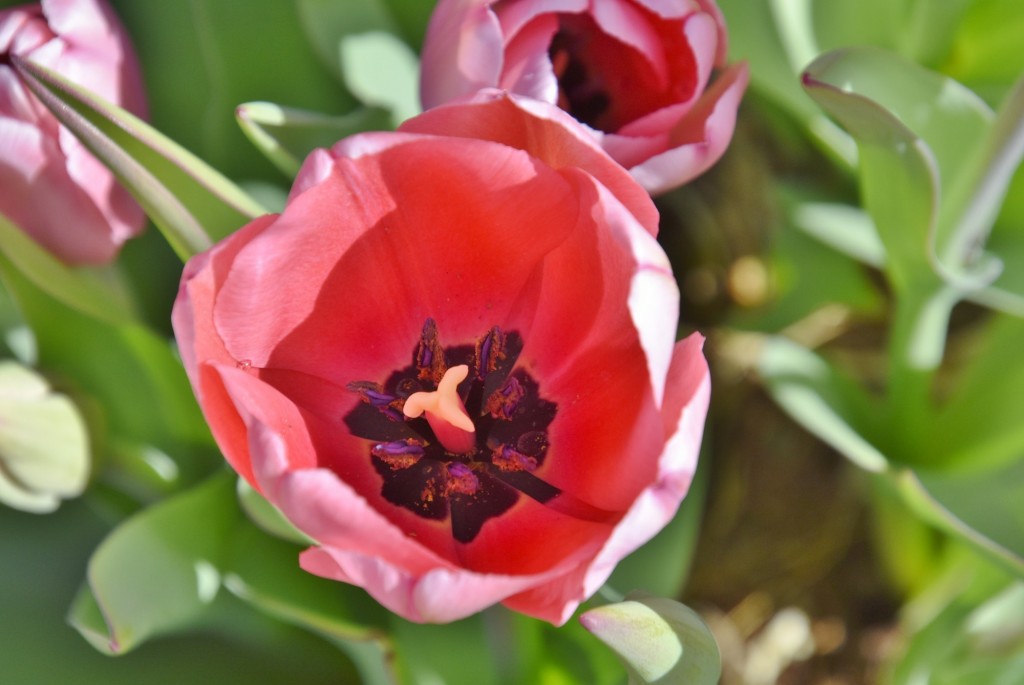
(44, 448)
(659, 640)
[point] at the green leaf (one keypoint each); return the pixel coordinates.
(844, 228)
(974, 202)
(899, 176)
(287, 135)
(200, 58)
(983, 508)
(382, 71)
(190, 202)
(918, 133)
(91, 291)
(133, 373)
(44, 447)
(987, 47)
(327, 23)
(755, 34)
(981, 424)
(424, 651)
(264, 572)
(659, 640)
(821, 400)
(159, 570)
(968, 640)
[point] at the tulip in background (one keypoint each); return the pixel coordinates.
(451, 362)
(637, 73)
(50, 185)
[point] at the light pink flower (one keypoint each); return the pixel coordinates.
(451, 361)
(636, 72)
(50, 185)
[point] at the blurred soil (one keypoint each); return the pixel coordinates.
(784, 571)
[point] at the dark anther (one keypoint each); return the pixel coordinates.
(511, 421)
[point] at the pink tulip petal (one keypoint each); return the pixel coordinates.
(515, 15)
(313, 499)
(671, 9)
(573, 345)
(29, 171)
(700, 139)
(700, 34)
(262, 309)
(438, 596)
(453, 68)
(67, 201)
(199, 343)
(22, 24)
(622, 21)
(686, 401)
(528, 70)
(546, 131)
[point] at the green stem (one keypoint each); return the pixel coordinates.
(916, 345)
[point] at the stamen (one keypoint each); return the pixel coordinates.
(445, 412)
(398, 454)
(461, 479)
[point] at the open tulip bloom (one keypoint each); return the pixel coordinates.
(451, 362)
(636, 73)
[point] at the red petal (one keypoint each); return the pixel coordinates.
(542, 130)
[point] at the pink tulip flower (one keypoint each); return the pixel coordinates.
(636, 72)
(50, 185)
(451, 362)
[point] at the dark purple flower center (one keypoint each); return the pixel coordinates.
(582, 91)
(509, 443)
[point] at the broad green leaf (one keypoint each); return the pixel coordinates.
(287, 135)
(268, 517)
(922, 30)
(159, 570)
(382, 71)
(930, 29)
(88, 290)
(659, 640)
(264, 572)
(847, 229)
(982, 508)
(918, 133)
(968, 641)
(899, 177)
(190, 202)
(851, 231)
(821, 400)
(882, 23)
(985, 184)
(981, 424)
(411, 18)
(201, 58)
(909, 152)
(44, 559)
(134, 374)
(987, 51)
(754, 35)
(424, 651)
(44, 447)
(326, 23)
